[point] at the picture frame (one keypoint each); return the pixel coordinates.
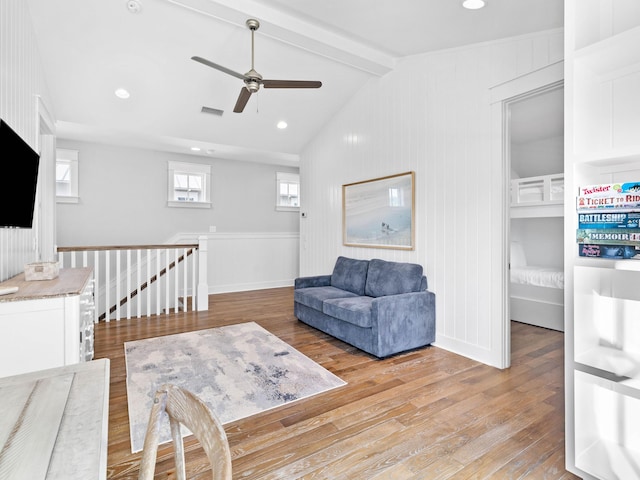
(379, 213)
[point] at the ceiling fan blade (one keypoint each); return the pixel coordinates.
(243, 98)
(226, 70)
(291, 84)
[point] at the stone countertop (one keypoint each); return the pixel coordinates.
(70, 281)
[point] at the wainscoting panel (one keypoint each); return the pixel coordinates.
(249, 260)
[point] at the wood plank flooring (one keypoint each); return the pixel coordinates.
(425, 414)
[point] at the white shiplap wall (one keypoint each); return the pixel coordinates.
(431, 115)
(21, 81)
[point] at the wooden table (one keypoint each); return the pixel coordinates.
(54, 423)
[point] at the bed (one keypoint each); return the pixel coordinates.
(541, 196)
(537, 292)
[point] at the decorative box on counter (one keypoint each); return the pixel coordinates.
(41, 271)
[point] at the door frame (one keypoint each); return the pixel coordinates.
(501, 96)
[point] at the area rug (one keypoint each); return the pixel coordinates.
(237, 370)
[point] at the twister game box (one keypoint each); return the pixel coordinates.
(614, 196)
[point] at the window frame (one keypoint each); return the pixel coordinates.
(287, 177)
(198, 169)
(70, 157)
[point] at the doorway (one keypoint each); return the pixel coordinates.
(535, 155)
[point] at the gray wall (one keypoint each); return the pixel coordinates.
(123, 198)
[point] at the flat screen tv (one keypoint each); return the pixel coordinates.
(19, 169)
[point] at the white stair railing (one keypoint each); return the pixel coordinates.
(143, 280)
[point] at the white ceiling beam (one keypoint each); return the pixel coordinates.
(295, 31)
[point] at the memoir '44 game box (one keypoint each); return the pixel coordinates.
(606, 236)
(622, 197)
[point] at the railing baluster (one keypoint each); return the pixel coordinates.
(107, 285)
(167, 284)
(158, 290)
(138, 282)
(128, 278)
(185, 263)
(148, 282)
(176, 281)
(118, 280)
(194, 269)
(96, 285)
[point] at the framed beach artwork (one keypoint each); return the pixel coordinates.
(379, 213)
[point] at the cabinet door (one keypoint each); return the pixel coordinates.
(31, 336)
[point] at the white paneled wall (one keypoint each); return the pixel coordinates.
(21, 80)
(430, 115)
(241, 261)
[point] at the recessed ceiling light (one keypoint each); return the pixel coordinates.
(134, 6)
(195, 149)
(122, 93)
(473, 4)
(282, 124)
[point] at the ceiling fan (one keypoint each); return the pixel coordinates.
(252, 79)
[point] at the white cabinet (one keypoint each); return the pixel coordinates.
(602, 296)
(47, 323)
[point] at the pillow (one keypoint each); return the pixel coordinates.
(518, 259)
(350, 274)
(392, 278)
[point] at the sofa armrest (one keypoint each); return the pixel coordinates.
(316, 281)
(404, 321)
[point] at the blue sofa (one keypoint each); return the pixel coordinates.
(377, 306)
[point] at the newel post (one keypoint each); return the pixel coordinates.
(203, 288)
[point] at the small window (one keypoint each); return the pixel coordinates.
(189, 185)
(66, 176)
(287, 191)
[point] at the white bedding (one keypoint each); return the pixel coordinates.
(538, 276)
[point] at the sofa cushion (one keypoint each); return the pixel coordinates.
(355, 310)
(314, 296)
(392, 278)
(350, 274)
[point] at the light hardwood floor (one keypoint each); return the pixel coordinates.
(425, 414)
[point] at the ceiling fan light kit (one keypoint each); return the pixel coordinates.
(252, 79)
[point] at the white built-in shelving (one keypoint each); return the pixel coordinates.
(602, 296)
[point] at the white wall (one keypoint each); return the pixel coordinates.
(123, 198)
(431, 115)
(542, 240)
(20, 82)
(539, 157)
(123, 201)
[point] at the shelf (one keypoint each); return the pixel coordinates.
(609, 158)
(607, 263)
(614, 363)
(606, 428)
(611, 54)
(608, 460)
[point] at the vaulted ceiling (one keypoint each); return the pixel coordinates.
(89, 48)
